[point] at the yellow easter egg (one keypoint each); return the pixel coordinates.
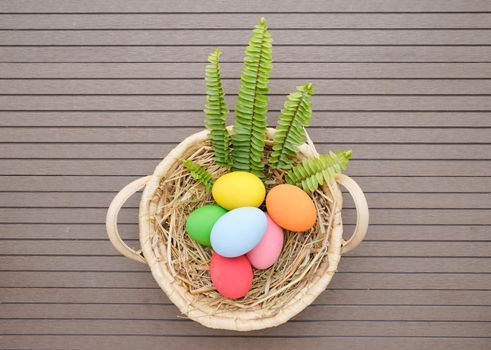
(238, 189)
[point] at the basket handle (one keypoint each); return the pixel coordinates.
(361, 212)
(112, 219)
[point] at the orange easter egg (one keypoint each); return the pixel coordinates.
(291, 208)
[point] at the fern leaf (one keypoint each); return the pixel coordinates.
(199, 173)
(250, 120)
(216, 111)
(315, 172)
(290, 129)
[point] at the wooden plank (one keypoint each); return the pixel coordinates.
(169, 103)
(241, 37)
(401, 232)
(230, 21)
(329, 297)
(150, 151)
(316, 312)
(349, 263)
(335, 328)
(369, 248)
(422, 200)
(342, 280)
(190, 118)
(145, 167)
(156, 135)
(376, 200)
(239, 342)
(143, 151)
(316, 328)
(172, 6)
(406, 184)
(232, 70)
(67, 231)
(277, 86)
(155, 54)
(378, 216)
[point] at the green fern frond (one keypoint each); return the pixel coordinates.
(314, 172)
(250, 120)
(290, 131)
(216, 111)
(199, 173)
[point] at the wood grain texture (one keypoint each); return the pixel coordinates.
(322, 54)
(228, 21)
(331, 296)
(153, 150)
(195, 118)
(94, 93)
(154, 134)
(344, 280)
(243, 342)
(277, 86)
(139, 167)
(303, 71)
(315, 328)
(238, 37)
(194, 103)
(377, 200)
(375, 248)
(172, 6)
(351, 263)
(94, 183)
(395, 232)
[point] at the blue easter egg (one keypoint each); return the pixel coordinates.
(238, 231)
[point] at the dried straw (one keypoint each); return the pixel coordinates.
(181, 266)
(189, 262)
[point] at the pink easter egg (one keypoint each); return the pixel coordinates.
(267, 251)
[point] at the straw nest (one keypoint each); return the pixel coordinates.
(301, 260)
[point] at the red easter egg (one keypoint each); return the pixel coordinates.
(231, 277)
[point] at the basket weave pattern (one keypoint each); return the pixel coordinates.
(180, 266)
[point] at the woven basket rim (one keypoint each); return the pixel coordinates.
(232, 320)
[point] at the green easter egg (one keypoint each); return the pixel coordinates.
(201, 221)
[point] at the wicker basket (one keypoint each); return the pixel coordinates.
(156, 251)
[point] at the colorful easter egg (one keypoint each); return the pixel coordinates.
(238, 231)
(231, 277)
(238, 189)
(267, 251)
(201, 221)
(291, 208)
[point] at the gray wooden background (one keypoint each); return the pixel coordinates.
(95, 93)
